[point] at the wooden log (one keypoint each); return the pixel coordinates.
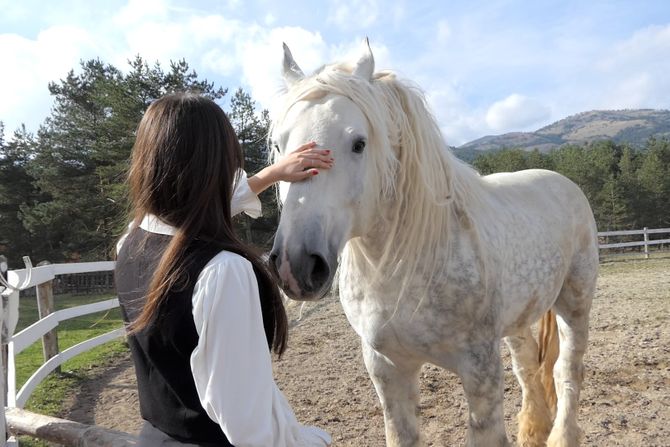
(64, 432)
(45, 306)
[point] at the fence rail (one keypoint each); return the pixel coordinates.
(42, 277)
(36, 331)
(645, 242)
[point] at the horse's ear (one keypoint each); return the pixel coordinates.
(290, 70)
(365, 66)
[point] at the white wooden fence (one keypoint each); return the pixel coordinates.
(70, 433)
(20, 421)
(646, 242)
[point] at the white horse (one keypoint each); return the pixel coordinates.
(436, 263)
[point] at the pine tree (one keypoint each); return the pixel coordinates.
(252, 130)
(16, 193)
(655, 184)
(613, 212)
(630, 188)
(538, 160)
(83, 149)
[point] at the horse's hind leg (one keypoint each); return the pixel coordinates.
(572, 309)
(397, 385)
(534, 418)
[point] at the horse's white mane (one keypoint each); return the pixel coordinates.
(415, 179)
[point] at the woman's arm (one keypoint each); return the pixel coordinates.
(300, 164)
(231, 365)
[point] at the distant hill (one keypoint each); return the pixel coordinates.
(623, 126)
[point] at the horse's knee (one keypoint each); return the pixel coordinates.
(397, 385)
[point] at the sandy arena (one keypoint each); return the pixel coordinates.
(625, 401)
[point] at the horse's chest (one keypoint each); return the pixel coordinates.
(425, 325)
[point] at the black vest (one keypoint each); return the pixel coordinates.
(162, 351)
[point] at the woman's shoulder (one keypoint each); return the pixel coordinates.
(229, 260)
(224, 282)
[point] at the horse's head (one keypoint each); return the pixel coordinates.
(389, 188)
(321, 214)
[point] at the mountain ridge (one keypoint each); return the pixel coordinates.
(632, 126)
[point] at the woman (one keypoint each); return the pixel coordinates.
(203, 309)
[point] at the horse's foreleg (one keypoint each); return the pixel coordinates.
(534, 417)
(397, 385)
(480, 370)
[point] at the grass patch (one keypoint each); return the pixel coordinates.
(49, 396)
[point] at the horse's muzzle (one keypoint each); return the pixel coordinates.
(304, 274)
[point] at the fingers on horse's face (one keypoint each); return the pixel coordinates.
(322, 213)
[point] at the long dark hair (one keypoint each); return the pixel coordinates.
(184, 165)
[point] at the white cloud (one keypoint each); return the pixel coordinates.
(356, 15)
(138, 11)
(269, 19)
(261, 54)
(458, 122)
(635, 71)
(155, 34)
(516, 112)
(464, 63)
(31, 65)
(220, 46)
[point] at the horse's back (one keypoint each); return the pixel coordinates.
(542, 193)
(543, 207)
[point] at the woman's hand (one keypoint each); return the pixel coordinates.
(300, 164)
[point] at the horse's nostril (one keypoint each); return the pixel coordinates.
(320, 271)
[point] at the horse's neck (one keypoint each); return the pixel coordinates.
(366, 252)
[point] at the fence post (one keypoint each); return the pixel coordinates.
(4, 267)
(3, 365)
(646, 242)
(45, 306)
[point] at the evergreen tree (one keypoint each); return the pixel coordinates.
(537, 160)
(630, 189)
(16, 192)
(653, 176)
(612, 214)
(504, 160)
(252, 129)
(83, 149)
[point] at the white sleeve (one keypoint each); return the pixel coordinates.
(123, 238)
(244, 199)
(231, 365)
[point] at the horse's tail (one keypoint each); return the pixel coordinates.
(548, 354)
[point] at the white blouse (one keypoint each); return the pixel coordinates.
(231, 364)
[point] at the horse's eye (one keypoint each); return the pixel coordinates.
(358, 147)
(276, 147)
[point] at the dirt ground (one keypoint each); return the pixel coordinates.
(625, 401)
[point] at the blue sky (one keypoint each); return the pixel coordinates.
(487, 67)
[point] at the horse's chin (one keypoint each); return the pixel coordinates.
(305, 295)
